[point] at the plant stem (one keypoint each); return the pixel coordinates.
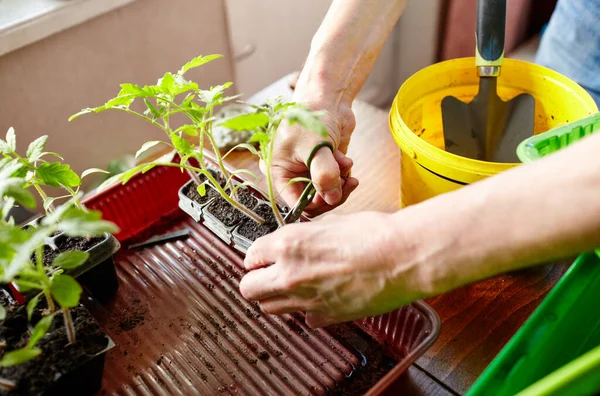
(218, 154)
(39, 259)
(69, 325)
(268, 161)
(218, 187)
(193, 174)
(44, 197)
(74, 194)
(49, 300)
(31, 285)
(7, 384)
(144, 118)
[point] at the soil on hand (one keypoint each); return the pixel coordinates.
(252, 230)
(37, 376)
(227, 214)
(69, 244)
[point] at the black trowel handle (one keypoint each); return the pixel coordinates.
(491, 25)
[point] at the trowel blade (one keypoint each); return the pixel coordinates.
(487, 128)
(519, 125)
(459, 131)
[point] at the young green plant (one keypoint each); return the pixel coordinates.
(265, 122)
(38, 172)
(18, 245)
(182, 111)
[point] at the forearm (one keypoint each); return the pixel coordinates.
(345, 48)
(532, 214)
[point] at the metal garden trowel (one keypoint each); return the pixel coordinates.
(488, 128)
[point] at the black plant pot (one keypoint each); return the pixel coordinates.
(222, 219)
(98, 274)
(61, 369)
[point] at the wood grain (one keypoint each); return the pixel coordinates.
(478, 319)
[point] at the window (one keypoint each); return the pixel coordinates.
(23, 22)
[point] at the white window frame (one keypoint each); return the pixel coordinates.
(23, 22)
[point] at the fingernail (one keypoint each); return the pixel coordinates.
(333, 197)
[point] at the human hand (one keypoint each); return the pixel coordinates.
(330, 171)
(337, 269)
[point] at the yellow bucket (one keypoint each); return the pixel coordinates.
(416, 120)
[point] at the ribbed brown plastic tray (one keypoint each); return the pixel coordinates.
(181, 325)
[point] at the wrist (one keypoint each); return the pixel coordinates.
(426, 251)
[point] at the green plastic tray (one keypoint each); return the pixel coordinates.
(553, 140)
(557, 350)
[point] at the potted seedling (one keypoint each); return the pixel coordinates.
(51, 344)
(226, 202)
(97, 274)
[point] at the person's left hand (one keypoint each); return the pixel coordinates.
(336, 270)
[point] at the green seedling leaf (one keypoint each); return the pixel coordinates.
(167, 83)
(52, 154)
(12, 236)
(202, 189)
(36, 148)
(76, 222)
(22, 257)
(214, 95)
(4, 147)
(246, 122)
(56, 174)
(259, 137)
(2, 312)
(10, 169)
(133, 89)
(188, 99)
(6, 206)
(190, 130)
(182, 146)
(14, 188)
(31, 305)
(247, 146)
(120, 101)
(197, 62)
(48, 202)
(147, 146)
(19, 356)
(11, 139)
(65, 290)
(71, 259)
(245, 172)
(182, 85)
(40, 329)
(93, 170)
(308, 119)
(156, 113)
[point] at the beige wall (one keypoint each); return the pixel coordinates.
(43, 84)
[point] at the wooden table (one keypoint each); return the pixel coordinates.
(477, 320)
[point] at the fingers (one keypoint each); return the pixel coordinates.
(261, 284)
(315, 320)
(325, 174)
(287, 304)
(262, 252)
(318, 206)
(344, 163)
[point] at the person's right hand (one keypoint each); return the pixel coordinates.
(330, 171)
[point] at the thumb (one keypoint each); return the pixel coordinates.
(325, 174)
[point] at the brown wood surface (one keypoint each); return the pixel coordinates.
(477, 320)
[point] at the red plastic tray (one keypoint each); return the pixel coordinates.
(182, 327)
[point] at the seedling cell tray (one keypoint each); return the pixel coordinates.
(181, 325)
